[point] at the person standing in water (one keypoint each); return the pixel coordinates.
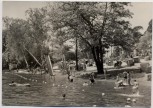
(69, 73)
(92, 79)
(135, 87)
(125, 76)
(128, 78)
(71, 78)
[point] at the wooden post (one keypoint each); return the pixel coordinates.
(32, 56)
(76, 54)
(50, 68)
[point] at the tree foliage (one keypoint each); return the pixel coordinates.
(15, 36)
(145, 43)
(97, 24)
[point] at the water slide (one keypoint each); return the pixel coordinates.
(50, 67)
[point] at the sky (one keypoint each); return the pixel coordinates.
(16, 9)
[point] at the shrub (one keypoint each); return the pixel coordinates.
(147, 58)
(145, 67)
(130, 62)
(136, 60)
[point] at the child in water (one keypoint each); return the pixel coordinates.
(85, 84)
(92, 80)
(70, 78)
(135, 87)
(125, 74)
(128, 78)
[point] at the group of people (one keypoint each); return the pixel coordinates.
(127, 81)
(91, 78)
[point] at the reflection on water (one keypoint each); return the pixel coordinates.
(132, 95)
(50, 94)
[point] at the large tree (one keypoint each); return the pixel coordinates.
(39, 30)
(145, 43)
(15, 34)
(98, 24)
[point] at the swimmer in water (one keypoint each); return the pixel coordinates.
(17, 84)
(128, 102)
(13, 84)
(85, 84)
(135, 87)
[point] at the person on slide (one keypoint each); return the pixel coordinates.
(118, 83)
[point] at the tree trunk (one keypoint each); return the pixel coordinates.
(33, 56)
(100, 68)
(27, 65)
(49, 65)
(76, 54)
(98, 57)
(64, 62)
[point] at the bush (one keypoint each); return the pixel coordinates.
(87, 75)
(12, 66)
(149, 69)
(147, 58)
(130, 62)
(4, 64)
(145, 67)
(148, 77)
(136, 60)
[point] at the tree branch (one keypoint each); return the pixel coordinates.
(78, 33)
(87, 21)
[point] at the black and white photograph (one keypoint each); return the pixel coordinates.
(76, 53)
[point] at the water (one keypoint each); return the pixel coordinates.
(41, 94)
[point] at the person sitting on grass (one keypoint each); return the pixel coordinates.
(92, 80)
